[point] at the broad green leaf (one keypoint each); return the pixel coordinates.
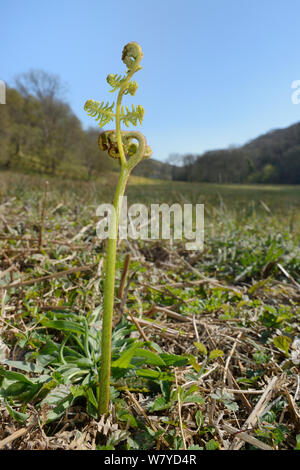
(193, 399)
(201, 348)
(174, 360)
(14, 389)
(283, 343)
(26, 366)
(15, 376)
(20, 417)
(123, 362)
(150, 357)
(63, 325)
(124, 415)
(160, 403)
(60, 399)
(193, 361)
(215, 353)
(154, 374)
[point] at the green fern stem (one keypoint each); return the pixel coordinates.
(123, 88)
(110, 268)
(108, 301)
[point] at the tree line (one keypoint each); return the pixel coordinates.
(271, 158)
(39, 131)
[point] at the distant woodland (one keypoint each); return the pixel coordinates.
(40, 133)
(271, 158)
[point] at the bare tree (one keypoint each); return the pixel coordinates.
(42, 85)
(54, 117)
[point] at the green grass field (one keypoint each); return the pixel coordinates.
(204, 345)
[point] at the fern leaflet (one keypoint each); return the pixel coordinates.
(115, 81)
(137, 114)
(102, 112)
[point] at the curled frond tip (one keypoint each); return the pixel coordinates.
(132, 55)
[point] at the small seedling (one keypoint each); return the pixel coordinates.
(129, 147)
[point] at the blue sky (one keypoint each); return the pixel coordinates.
(215, 72)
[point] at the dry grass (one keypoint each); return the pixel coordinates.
(250, 390)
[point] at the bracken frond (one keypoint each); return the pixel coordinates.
(131, 88)
(102, 112)
(137, 114)
(115, 81)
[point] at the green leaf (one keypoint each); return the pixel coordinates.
(297, 442)
(124, 415)
(61, 399)
(16, 376)
(231, 405)
(22, 365)
(154, 374)
(123, 362)
(201, 348)
(212, 445)
(193, 361)
(14, 389)
(150, 357)
(84, 363)
(193, 399)
(63, 325)
(160, 403)
(283, 343)
(20, 417)
(215, 353)
(174, 360)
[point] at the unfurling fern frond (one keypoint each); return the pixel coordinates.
(131, 88)
(115, 81)
(132, 55)
(102, 112)
(130, 148)
(137, 114)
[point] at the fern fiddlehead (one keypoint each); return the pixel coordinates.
(130, 148)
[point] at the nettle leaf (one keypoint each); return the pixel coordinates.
(102, 112)
(283, 343)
